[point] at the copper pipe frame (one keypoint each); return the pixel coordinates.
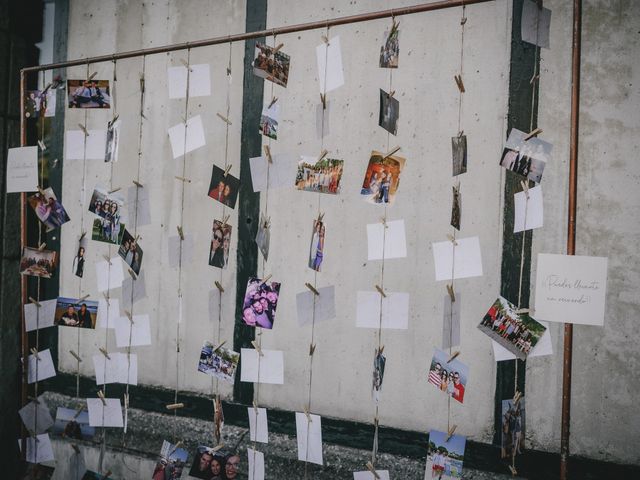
(24, 339)
(571, 233)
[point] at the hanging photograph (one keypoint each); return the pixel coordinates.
(526, 157)
(459, 154)
(220, 363)
(260, 302)
(71, 312)
(171, 462)
(449, 377)
(113, 140)
(208, 464)
(223, 188)
(513, 422)
(390, 51)
(38, 103)
(48, 209)
(270, 65)
(269, 120)
(109, 224)
(131, 252)
(322, 176)
(517, 332)
(38, 263)
(220, 244)
(389, 112)
(445, 458)
(455, 208)
(79, 259)
(382, 178)
(316, 249)
(379, 361)
(88, 94)
(263, 237)
(73, 424)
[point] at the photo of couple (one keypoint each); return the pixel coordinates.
(316, 249)
(323, 176)
(445, 458)
(131, 252)
(271, 66)
(48, 209)
(39, 263)
(109, 225)
(88, 93)
(72, 313)
(260, 302)
(220, 244)
(214, 465)
(382, 178)
(448, 377)
(223, 188)
(220, 363)
(512, 427)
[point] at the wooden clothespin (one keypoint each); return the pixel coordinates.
(106, 257)
(463, 20)
(75, 355)
(224, 119)
(312, 349)
(517, 397)
(323, 154)
(458, 79)
(82, 235)
(324, 39)
(84, 129)
(104, 352)
(91, 76)
(114, 119)
(34, 352)
(186, 64)
(114, 190)
(225, 219)
(178, 444)
(451, 293)
(35, 302)
(533, 133)
(391, 93)
(219, 346)
(306, 412)
(391, 152)
(273, 100)
(106, 298)
(180, 232)
(217, 447)
(79, 411)
(460, 133)
(129, 316)
(381, 291)
(219, 286)
(312, 288)
(451, 432)
(534, 79)
(452, 239)
(83, 298)
(267, 152)
(525, 188)
(106, 475)
(174, 406)
(101, 395)
(266, 279)
(183, 179)
(257, 347)
(75, 447)
(513, 470)
(453, 357)
(323, 100)
(226, 170)
(277, 49)
(133, 274)
(255, 407)
(380, 350)
(42, 245)
(372, 469)
(320, 217)
(42, 146)
(383, 220)
(137, 184)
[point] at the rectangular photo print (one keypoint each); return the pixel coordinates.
(271, 65)
(220, 244)
(316, 248)
(526, 157)
(389, 112)
(379, 363)
(455, 208)
(73, 424)
(260, 302)
(131, 252)
(517, 332)
(322, 176)
(448, 377)
(513, 422)
(38, 263)
(459, 154)
(208, 464)
(48, 209)
(78, 261)
(220, 363)
(223, 188)
(88, 94)
(113, 140)
(171, 462)
(269, 121)
(263, 236)
(40, 102)
(71, 312)
(390, 51)
(382, 178)
(445, 458)
(109, 224)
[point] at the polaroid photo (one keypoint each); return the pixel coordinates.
(131, 252)
(382, 178)
(456, 208)
(70, 312)
(38, 471)
(535, 24)
(110, 221)
(269, 120)
(73, 424)
(36, 416)
(322, 176)
(223, 188)
(208, 464)
(22, 169)
(88, 94)
(390, 51)
(517, 332)
(316, 247)
(220, 363)
(38, 263)
(526, 157)
(113, 141)
(379, 361)
(171, 462)
(260, 302)
(220, 244)
(513, 428)
(36, 318)
(77, 266)
(270, 65)
(389, 112)
(448, 377)
(48, 209)
(38, 103)
(445, 458)
(459, 154)
(263, 236)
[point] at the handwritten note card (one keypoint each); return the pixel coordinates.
(22, 169)
(571, 289)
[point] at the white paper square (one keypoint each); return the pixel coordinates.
(571, 289)
(74, 145)
(256, 464)
(367, 475)
(395, 310)
(451, 322)
(535, 24)
(309, 436)
(139, 207)
(199, 81)
(116, 369)
(542, 348)
(258, 428)
(140, 331)
(322, 119)
(42, 317)
(96, 143)
(136, 287)
(22, 169)
(330, 65)
(174, 250)
(395, 242)
(36, 416)
(109, 415)
(468, 261)
(325, 305)
(279, 171)
(271, 366)
(108, 313)
(532, 209)
(38, 451)
(109, 277)
(195, 136)
(45, 368)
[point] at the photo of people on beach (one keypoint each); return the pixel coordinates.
(382, 178)
(445, 457)
(71, 312)
(260, 302)
(171, 462)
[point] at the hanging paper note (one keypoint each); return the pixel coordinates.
(109, 275)
(309, 434)
(174, 250)
(258, 429)
(109, 313)
(256, 464)
(22, 169)
(101, 415)
(395, 310)
(39, 449)
(36, 416)
(330, 72)
(194, 133)
(116, 369)
(138, 332)
(325, 305)
(79, 146)
(39, 317)
(536, 21)
(40, 367)
(467, 262)
(279, 171)
(392, 240)
(199, 81)
(528, 213)
(270, 368)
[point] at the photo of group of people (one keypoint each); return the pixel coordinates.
(513, 422)
(260, 302)
(517, 332)
(214, 465)
(269, 121)
(171, 462)
(459, 154)
(39, 263)
(220, 244)
(220, 363)
(323, 176)
(38, 103)
(445, 457)
(88, 94)
(316, 248)
(389, 112)
(109, 224)
(71, 424)
(526, 157)
(382, 178)
(131, 252)
(223, 188)
(70, 312)
(270, 65)
(113, 139)
(48, 209)
(448, 377)
(390, 51)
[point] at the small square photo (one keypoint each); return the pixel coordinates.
(88, 94)
(131, 252)
(71, 312)
(223, 188)
(220, 363)
(448, 377)
(382, 178)
(316, 248)
(389, 112)
(323, 176)
(260, 302)
(270, 65)
(38, 263)
(109, 224)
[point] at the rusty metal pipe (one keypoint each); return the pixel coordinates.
(24, 340)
